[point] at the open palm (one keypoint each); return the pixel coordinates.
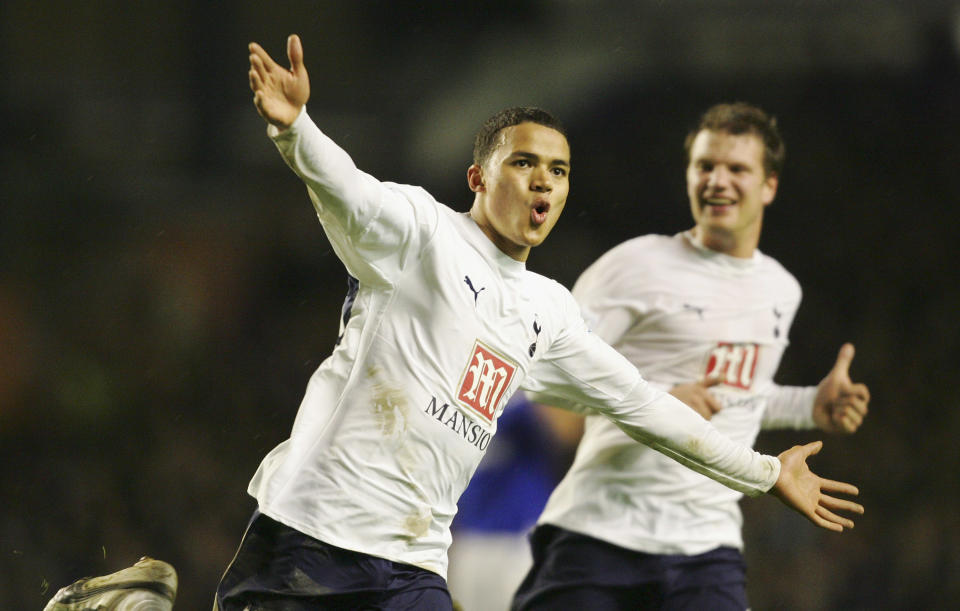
(279, 93)
(804, 491)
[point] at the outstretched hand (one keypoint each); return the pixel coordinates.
(804, 491)
(279, 93)
(840, 405)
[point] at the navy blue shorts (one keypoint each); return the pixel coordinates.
(574, 571)
(280, 568)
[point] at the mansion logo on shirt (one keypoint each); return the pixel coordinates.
(733, 364)
(485, 380)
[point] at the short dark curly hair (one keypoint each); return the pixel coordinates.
(486, 139)
(742, 118)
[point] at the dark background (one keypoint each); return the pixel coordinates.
(166, 291)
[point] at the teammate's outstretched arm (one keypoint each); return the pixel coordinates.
(279, 93)
(806, 492)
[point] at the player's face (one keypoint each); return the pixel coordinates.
(728, 190)
(522, 188)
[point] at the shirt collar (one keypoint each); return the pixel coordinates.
(722, 258)
(479, 240)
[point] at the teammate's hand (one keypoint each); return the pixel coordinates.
(804, 491)
(840, 405)
(698, 397)
(278, 93)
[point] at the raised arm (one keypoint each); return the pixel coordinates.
(375, 227)
(279, 93)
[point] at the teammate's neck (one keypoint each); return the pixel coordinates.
(725, 242)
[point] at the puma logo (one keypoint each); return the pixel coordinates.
(476, 293)
(694, 308)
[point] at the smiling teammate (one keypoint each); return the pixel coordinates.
(444, 323)
(704, 315)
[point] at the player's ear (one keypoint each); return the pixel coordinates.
(475, 178)
(770, 188)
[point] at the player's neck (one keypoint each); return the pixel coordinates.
(726, 242)
(514, 251)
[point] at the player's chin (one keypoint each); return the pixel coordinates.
(532, 241)
(537, 234)
(723, 224)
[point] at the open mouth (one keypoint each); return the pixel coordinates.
(538, 214)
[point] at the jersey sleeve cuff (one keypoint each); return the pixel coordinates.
(275, 132)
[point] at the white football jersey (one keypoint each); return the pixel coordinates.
(681, 313)
(442, 329)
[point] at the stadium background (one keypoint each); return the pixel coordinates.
(165, 289)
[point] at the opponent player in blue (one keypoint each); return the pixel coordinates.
(490, 552)
(704, 315)
(354, 509)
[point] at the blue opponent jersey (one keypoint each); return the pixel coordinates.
(515, 478)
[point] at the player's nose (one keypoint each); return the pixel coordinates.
(718, 177)
(541, 180)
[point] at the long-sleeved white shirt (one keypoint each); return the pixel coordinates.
(681, 313)
(443, 328)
